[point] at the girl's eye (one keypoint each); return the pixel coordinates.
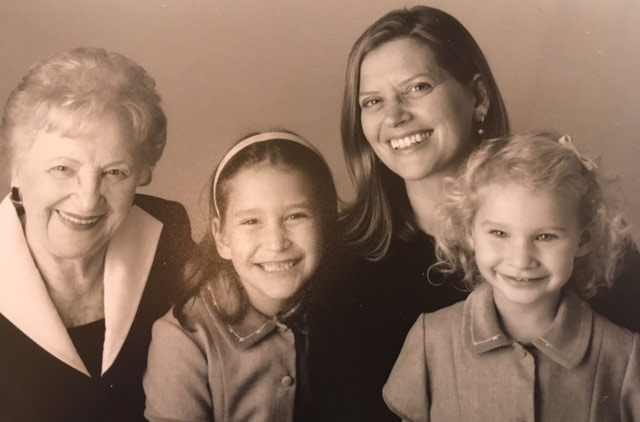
(498, 233)
(546, 237)
(420, 87)
(297, 216)
(249, 222)
(116, 174)
(369, 102)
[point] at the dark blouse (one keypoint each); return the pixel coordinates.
(36, 386)
(88, 340)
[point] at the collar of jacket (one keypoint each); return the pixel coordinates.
(252, 326)
(24, 300)
(565, 341)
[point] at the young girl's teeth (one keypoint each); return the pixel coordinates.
(277, 266)
(408, 141)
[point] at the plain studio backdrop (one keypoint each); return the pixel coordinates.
(228, 67)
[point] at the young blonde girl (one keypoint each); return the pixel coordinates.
(529, 226)
(236, 348)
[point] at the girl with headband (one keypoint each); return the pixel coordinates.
(236, 347)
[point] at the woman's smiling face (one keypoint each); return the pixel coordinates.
(415, 115)
(77, 191)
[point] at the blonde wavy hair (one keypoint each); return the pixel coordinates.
(539, 161)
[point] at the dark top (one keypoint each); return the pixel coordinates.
(367, 312)
(88, 340)
(36, 386)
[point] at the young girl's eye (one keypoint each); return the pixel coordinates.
(249, 222)
(297, 216)
(498, 233)
(546, 236)
(420, 87)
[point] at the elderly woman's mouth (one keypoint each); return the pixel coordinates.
(74, 219)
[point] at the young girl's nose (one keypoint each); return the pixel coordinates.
(275, 237)
(396, 112)
(521, 254)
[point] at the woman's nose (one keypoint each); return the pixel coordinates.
(276, 238)
(88, 193)
(396, 112)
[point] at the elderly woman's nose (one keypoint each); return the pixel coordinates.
(88, 192)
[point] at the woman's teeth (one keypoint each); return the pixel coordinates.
(407, 141)
(271, 267)
(85, 221)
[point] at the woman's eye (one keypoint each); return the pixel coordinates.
(60, 171)
(498, 233)
(369, 102)
(249, 222)
(116, 174)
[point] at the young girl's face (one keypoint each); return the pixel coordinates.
(272, 233)
(525, 243)
(416, 116)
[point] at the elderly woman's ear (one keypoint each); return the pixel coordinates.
(146, 176)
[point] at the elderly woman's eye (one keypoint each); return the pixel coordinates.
(60, 171)
(116, 174)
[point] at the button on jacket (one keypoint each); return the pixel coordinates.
(457, 364)
(214, 371)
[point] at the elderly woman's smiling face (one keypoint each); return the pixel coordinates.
(78, 190)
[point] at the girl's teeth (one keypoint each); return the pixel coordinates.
(77, 220)
(277, 266)
(408, 141)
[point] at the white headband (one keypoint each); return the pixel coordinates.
(260, 137)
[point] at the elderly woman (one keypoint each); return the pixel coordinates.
(86, 264)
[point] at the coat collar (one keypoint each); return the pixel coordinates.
(565, 342)
(24, 300)
(252, 326)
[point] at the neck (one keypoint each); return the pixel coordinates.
(525, 323)
(75, 286)
(423, 196)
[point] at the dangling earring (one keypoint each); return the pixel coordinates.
(480, 130)
(16, 198)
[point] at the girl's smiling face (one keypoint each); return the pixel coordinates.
(272, 233)
(525, 243)
(415, 115)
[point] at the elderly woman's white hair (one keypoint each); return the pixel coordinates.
(59, 93)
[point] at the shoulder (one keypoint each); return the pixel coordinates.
(440, 322)
(162, 209)
(614, 337)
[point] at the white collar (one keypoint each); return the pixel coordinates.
(25, 302)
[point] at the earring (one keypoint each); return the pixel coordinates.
(480, 130)
(16, 198)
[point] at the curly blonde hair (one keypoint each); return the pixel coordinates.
(538, 161)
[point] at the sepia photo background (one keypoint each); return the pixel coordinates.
(225, 68)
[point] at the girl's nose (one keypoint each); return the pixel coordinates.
(88, 193)
(522, 254)
(275, 237)
(396, 112)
